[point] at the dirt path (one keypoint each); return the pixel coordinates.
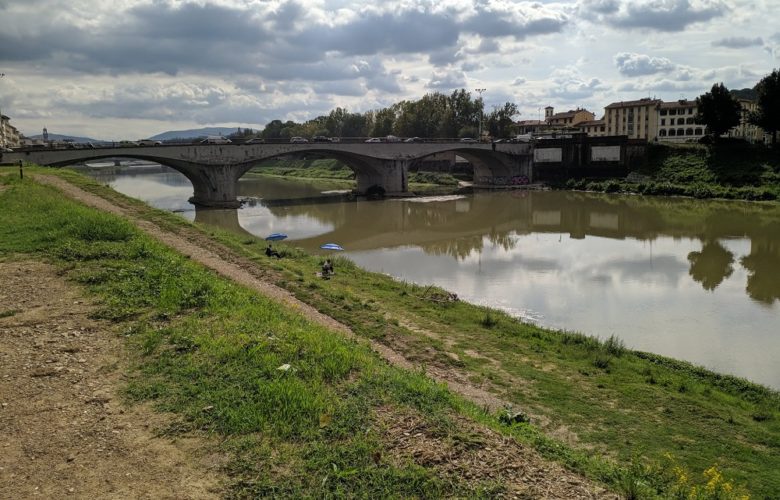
(561, 484)
(63, 431)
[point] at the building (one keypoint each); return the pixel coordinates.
(676, 122)
(569, 118)
(530, 127)
(9, 135)
(746, 130)
(594, 128)
(634, 119)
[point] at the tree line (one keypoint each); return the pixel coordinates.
(719, 110)
(435, 115)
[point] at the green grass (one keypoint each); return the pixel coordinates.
(728, 171)
(210, 351)
(335, 170)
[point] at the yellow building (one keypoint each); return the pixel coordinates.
(594, 128)
(635, 119)
(569, 118)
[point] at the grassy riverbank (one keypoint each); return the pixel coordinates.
(729, 171)
(211, 352)
(335, 170)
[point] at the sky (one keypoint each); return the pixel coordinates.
(129, 69)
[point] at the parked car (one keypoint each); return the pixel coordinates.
(392, 138)
(298, 140)
(374, 139)
(216, 139)
(468, 139)
(321, 138)
(149, 142)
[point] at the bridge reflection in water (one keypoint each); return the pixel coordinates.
(696, 280)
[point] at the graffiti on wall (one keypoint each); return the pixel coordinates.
(515, 180)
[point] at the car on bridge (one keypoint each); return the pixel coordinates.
(216, 139)
(255, 140)
(321, 138)
(149, 142)
(468, 139)
(374, 139)
(298, 140)
(414, 139)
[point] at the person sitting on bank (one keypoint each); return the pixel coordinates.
(270, 252)
(327, 268)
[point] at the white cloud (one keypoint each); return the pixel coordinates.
(631, 64)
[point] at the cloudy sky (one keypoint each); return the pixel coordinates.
(134, 68)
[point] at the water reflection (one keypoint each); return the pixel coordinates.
(696, 280)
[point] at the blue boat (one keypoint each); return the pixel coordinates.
(275, 237)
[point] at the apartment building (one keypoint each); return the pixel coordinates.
(746, 130)
(676, 122)
(635, 119)
(9, 135)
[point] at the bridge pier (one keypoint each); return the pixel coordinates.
(214, 186)
(390, 175)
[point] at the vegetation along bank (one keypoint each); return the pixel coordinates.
(304, 411)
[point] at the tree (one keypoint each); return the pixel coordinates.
(768, 115)
(500, 122)
(718, 110)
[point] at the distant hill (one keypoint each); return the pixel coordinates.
(193, 133)
(745, 94)
(69, 138)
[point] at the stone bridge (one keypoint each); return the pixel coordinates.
(214, 169)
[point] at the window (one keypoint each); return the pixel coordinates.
(680, 131)
(689, 131)
(698, 131)
(689, 121)
(662, 132)
(681, 121)
(663, 113)
(671, 132)
(663, 121)
(672, 111)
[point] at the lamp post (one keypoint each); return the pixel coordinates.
(482, 106)
(2, 123)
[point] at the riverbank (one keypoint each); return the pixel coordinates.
(597, 398)
(727, 171)
(335, 171)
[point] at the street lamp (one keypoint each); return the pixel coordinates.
(481, 110)
(2, 123)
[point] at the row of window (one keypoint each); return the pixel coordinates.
(675, 111)
(680, 132)
(680, 121)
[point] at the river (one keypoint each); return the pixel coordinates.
(696, 280)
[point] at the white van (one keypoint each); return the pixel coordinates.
(216, 139)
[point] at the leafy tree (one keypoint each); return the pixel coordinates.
(768, 115)
(718, 110)
(499, 122)
(384, 120)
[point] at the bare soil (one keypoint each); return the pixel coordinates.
(59, 380)
(65, 431)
